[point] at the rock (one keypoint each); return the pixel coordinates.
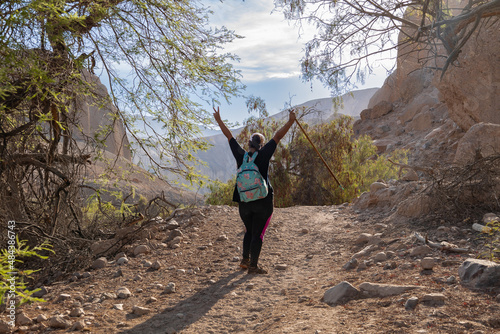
(380, 226)
(141, 249)
(62, 297)
(76, 312)
(120, 255)
(123, 293)
(420, 250)
(175, 234)
(411, 303)
(341, 293)
(490, 217)
(281, 266)
(139, 310)
(363, 238)
(480, 273)
(118, 307)
(121, 261)
(451, 280)
(42, 292)
(410, 176)
(353, 263)
(23, 320)
(156, 265)
(222, 237)
(481, 138)
(59, 322)
(172, 225)
(376, 186)
(78, 326)
(41, 318)
(433, 299)
(427, 263)
(365, 251)
(384, 290)
(170, 288)
(304, 231)
(100, 263)
(5, 327)
(380, 257)
(175, 242)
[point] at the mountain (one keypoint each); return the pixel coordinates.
(220, 164)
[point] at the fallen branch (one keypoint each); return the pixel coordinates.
(442, 246)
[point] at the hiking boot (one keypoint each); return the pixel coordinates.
(257, 270)
(245, 263)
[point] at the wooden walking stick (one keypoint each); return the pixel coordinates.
(319, 154)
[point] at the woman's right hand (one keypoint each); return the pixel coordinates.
(217, 114)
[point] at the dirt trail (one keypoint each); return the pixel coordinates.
(304, 251)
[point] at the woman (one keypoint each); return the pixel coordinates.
(255, 214)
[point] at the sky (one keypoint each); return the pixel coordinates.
(270, 54)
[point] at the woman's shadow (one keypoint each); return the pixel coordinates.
(189, 310)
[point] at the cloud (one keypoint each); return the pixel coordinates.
(271, 47)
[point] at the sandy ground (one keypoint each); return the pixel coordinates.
(304, 250)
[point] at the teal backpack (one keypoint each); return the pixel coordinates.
(249, 182)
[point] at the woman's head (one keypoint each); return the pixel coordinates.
(256, 141)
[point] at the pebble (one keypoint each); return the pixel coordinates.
(78, 326)
(59, 322)
(146, 263)
(433, 299)
(156, 265)
(62, 297)
(420, 250)
(411, 303)
(141, 249)
(118, 307)
(304, 231)
(140, 310)
(23, 320)
(123, 293)
(170, 288)
(427, 263)
(76, 312)
(452, 280)
(222, 237)
(41, 318)
(121, 261)
(281, 266)
(100, 263)
(380, 257)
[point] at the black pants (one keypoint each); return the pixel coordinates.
(256, 216)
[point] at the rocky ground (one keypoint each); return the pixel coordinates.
(185, 278)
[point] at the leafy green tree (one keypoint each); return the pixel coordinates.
(298, 175)
(351, 34)
(155, 55)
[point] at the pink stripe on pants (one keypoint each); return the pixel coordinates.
(265, 228)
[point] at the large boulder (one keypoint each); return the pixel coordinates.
(482, 140)
(472, 90)
(480, 273)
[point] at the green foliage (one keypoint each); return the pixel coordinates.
(492, 237)
(221, 193)
(299, 177)
(14, 286)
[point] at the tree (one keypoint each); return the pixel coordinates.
(351, 33)
(156, 55)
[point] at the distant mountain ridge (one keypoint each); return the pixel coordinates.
(220, 164)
